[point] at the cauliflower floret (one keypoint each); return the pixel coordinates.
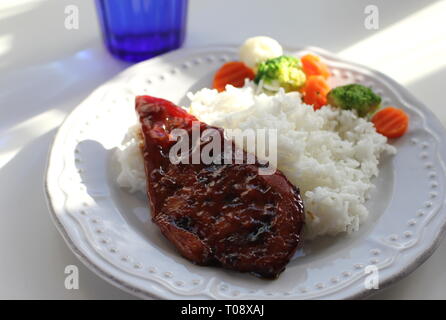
(258, 49)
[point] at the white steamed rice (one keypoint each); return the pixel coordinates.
(330, 154)
(128, 154)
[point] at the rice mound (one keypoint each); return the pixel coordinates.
(132, 174)
(331, 155)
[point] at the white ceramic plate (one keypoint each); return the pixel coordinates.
(110, 230)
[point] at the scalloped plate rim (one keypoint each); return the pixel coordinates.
(109, 277)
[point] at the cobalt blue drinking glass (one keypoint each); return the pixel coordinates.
(135, 30)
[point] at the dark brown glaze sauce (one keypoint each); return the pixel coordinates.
(217, 214)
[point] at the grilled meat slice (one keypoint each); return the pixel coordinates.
(217, 214)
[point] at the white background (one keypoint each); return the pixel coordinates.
(46, 70)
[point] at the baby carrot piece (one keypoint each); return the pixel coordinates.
(233, 73)
(315, 91)
(313, 66)
(391, 122)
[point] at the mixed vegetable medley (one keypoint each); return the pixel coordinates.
(263, 61)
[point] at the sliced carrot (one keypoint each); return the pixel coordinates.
(233, 73)
(391, 122)
(315, 91)
(313, 66)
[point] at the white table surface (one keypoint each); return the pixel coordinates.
(46, 70)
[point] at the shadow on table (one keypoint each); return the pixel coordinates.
(35, 254)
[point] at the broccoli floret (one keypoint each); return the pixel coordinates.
(354, 97)
(283, 71)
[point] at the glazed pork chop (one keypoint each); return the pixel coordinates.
(217, 214)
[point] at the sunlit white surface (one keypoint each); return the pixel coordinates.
(408, 50)
(13, 139)
(5, 44)
(10, 8)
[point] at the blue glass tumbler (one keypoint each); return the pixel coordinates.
(136, 30)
